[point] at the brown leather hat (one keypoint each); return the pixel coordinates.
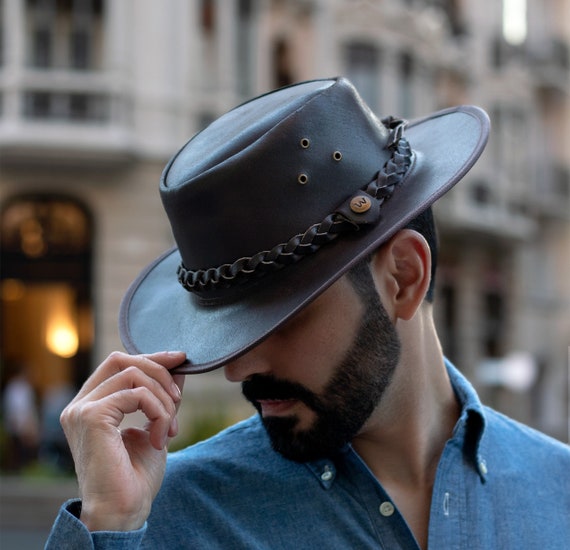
(273, 202)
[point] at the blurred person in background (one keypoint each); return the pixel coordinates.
(21, 421)
(54, 450)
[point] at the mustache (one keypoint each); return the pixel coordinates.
(265, 386)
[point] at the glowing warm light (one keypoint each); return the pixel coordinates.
(514, 21)
(61, 337)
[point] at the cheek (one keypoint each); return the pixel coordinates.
(322, 348)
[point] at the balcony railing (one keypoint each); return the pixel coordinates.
(54, 112)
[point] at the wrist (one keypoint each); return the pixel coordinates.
(104, 518)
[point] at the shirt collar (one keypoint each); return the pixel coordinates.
(471, 424)
(468, 431)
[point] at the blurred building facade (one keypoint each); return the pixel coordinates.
(96, 95)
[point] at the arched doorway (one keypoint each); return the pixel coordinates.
(46, 324)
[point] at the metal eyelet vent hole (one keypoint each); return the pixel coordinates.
(337, 155)
(303, 179)
(305, 142)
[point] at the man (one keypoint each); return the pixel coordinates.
(305, 259)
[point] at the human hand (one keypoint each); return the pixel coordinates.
(120, 471)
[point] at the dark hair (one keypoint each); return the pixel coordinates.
(424, 224)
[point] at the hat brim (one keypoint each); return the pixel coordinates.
(158, 314)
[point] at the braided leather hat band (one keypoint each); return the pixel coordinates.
(360, 210)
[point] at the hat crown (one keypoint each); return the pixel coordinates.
(269, 169)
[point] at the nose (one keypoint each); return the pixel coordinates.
(255, 361)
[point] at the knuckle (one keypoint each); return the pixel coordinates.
(143, 393)
(65, 417)
(140, 391)
(114, 358)
(72, 416)
(131, 371)
(113, 362)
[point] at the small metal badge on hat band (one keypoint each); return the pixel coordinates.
(360, 204)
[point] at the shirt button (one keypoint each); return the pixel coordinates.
(327, 475)
(386, 509)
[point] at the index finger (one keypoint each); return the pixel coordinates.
(155, 365)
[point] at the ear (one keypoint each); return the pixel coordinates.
(402, 272)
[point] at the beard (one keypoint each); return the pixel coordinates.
(349, 398)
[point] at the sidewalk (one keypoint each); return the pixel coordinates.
(28, 507)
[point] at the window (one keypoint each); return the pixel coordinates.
(281, 64)
(41, 48)
(362, 62)
(493, 323)
(514, 22)
(63, 106)
(511, 122)
(80, 49)
(64, 34)
(405, 91)
(1, 33)
(244, 51)
(454, 12)
(481, 193)
(205, 118)
(37, 104)
(208, 16)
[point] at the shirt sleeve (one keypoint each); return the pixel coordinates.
(68, 532)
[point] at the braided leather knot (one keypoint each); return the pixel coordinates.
(317, 235)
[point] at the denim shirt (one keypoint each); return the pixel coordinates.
(499, 485)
